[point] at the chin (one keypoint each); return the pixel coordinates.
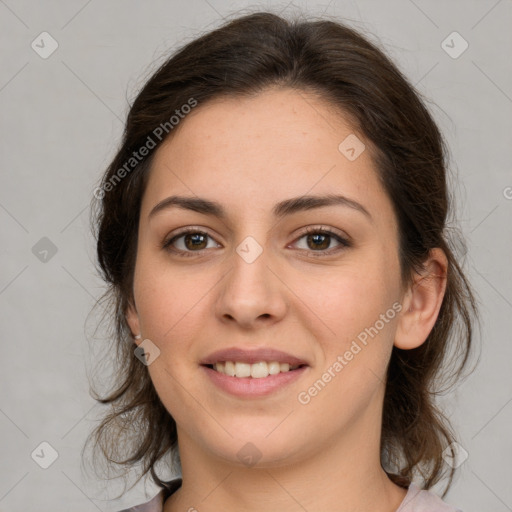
(257, 446)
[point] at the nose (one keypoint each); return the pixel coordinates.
(252, 294)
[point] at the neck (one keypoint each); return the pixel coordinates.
(343, 474)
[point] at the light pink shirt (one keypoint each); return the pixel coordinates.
(416, 500)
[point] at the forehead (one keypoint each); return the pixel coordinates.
(255, 151)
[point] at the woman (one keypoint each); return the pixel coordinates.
(273, 233)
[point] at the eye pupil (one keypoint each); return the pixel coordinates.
(194, 240)
(323, 239)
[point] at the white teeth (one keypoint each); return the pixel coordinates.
(242, 370)
(229, 368)
(274, 368)
(258, 370)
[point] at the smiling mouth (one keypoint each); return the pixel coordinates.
(258, 370)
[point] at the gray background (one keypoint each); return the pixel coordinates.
(61, 121)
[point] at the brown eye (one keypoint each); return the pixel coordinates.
(319, 242)
(188, 242)
(195, 240)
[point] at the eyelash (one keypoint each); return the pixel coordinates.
(344, 243)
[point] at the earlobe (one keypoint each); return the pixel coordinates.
(133, 321)
(422, 302)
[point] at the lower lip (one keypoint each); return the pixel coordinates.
(248, 387)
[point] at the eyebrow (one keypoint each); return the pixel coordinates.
(281, 209)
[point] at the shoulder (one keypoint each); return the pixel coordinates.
(157, 503)
(154, 505)
(421, 500)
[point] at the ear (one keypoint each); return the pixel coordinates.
(132, 318)
(422, 302)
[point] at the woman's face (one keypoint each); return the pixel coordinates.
(265, 275)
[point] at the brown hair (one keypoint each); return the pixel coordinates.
(244, 57)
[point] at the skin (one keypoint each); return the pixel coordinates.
(249, 154)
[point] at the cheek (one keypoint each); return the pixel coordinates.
(171, 309)
(166, 298)
(350, 298)
(358, 309)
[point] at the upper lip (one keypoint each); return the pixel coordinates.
(244, 355)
